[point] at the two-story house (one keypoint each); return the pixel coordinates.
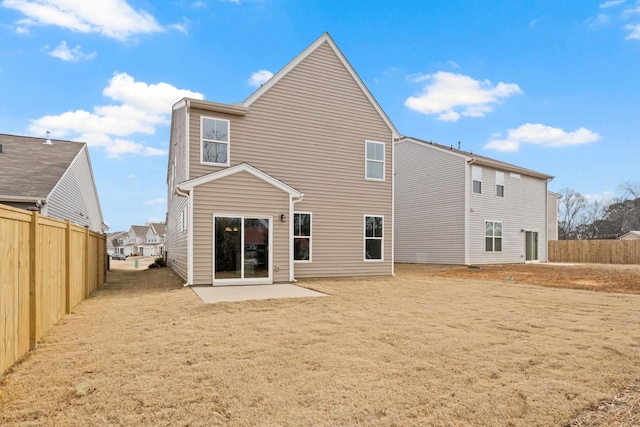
(456, 207)
(154, 240)
(294, 182)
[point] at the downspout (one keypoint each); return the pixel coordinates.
(182, 193)
(466, 210)
(546, 217)
(393, 206)
(292, 279)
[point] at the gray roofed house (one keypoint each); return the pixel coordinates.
(51, 176)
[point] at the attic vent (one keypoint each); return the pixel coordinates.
(48, 141)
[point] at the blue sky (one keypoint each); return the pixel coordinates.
(549, 85)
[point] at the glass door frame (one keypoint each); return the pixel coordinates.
(242, 280)
(535, 246)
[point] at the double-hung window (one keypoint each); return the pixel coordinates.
(492, 236)
(374, 160)
(301, 236)
(214, 141)
(373, 238)
(476, 176)
(499, 184)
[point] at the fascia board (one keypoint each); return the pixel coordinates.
(243, 167)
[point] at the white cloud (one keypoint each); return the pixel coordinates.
(259, 78)
(601, 197)
(611, 3)
(634, 31)
(454, 95)
(63, 52)
(541, 135)
(151, 98)
(110, 18)
(143, 108)
(533, 22)
(157, 201)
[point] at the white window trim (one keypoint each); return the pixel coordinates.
(484, 238)
(304, 261)
(499, 173)
(364, 241)
(202, 162)
(383, 161)
(473, 176)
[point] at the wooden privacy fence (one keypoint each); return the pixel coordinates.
(47, 267)
(595, 251)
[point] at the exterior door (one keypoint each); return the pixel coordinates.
(531, 242)
(241, 250)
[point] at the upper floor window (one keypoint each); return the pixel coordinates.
(375, 160)
(373, 238)
(214, 141)
(499, 184)
(492, 236)
(301, 236)
(476, 176)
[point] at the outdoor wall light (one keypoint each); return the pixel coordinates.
(283, 217)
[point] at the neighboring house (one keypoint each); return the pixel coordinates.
(115, 241)
(53, 177)
(134, 238)
(140, 240)
(455, 207)
(632, 235)
(294, 182)
(154, 240)
(552, 215)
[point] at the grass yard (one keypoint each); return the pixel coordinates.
(419, 349)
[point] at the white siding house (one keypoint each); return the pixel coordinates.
(455, 207)
(53, 177)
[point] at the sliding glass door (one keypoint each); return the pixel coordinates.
(241, 250)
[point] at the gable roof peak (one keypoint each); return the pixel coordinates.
(324, 38)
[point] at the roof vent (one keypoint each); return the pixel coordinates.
(48, 141)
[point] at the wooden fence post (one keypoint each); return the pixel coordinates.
(68, 268)
(33, 282)
(87, 255)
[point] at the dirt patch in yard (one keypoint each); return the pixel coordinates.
(418, 349)
(597, 277)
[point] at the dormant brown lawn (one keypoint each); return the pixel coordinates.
(413, 350)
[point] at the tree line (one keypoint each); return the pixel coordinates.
(582, 218)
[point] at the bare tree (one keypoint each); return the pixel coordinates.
(572, 207)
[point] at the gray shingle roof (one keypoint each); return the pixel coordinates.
(29, 168)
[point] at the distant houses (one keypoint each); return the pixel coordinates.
(140, 240)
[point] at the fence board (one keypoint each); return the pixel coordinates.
(595, 251)
(44, 264)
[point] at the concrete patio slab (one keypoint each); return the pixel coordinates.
(213, 294)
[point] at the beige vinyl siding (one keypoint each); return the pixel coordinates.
(244, 195)
(523, 207)
(176, 242)
(75, 197)
(309, 131)
(430, 205)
